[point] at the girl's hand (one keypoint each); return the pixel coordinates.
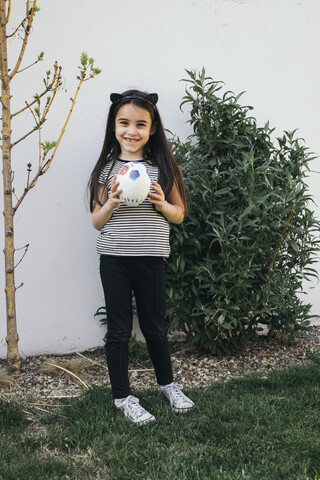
(158, 198)
(114, 200)
(173, 208)
(101, 214)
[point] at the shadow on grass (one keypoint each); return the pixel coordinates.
(251, 428)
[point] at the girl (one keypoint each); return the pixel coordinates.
(133, 242)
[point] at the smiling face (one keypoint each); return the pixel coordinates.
(133, 127)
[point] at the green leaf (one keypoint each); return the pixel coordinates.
(84, 59)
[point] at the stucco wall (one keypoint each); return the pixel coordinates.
(270, 49)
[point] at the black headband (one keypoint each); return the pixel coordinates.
(151, 98)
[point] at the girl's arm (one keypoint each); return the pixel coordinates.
(172, 208)
(102, 214)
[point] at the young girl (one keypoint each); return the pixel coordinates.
(133, 242)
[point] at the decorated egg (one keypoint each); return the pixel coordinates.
(134, 181)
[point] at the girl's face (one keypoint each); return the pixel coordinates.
(133, 127)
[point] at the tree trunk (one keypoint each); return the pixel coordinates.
(87, 71)
(9, 250)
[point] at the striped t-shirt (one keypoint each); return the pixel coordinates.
(134, 230)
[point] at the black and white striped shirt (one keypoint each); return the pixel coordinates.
(134, 230)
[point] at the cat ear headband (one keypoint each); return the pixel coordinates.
(151, 98)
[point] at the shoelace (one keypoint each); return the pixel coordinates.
(131, 405)
(175, 389)
(175, 393)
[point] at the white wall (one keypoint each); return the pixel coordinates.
(268, 48)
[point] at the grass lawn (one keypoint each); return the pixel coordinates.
(253, 428)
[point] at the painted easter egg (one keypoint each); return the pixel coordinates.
(134, 181)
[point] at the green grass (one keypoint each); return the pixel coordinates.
(251, 429)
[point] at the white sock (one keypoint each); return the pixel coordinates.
(119, 401)
(163, 387)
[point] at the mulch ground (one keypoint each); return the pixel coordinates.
(58, 376)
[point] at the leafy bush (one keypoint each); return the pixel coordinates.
(250, 239)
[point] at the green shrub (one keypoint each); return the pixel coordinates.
(250, 238)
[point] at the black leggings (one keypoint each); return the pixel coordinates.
(145, 276)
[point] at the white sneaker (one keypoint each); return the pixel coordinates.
(179, 402)
(133, 410)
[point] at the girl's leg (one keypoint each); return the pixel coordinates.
(117, 286)
(149, 289)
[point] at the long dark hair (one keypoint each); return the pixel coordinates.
(156, 150)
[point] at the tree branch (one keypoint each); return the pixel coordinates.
(34, 117)
(19, 26)
(41, 120)
(3, 46)
(31, 131)
(8, 12)
(49, 88)
(46, 166)
(15, 31)
(21, 285)
(279, 243)
(24, 136)
(26, 190)
(29, 66)
(57, 76)
(28, 177)
(55, 89)
(39, 141)
(48, 163)
(30, 15)
(24, 253)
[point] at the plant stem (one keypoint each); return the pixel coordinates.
(25, 39)
(276, 250)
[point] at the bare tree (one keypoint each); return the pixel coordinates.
(39, 108)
